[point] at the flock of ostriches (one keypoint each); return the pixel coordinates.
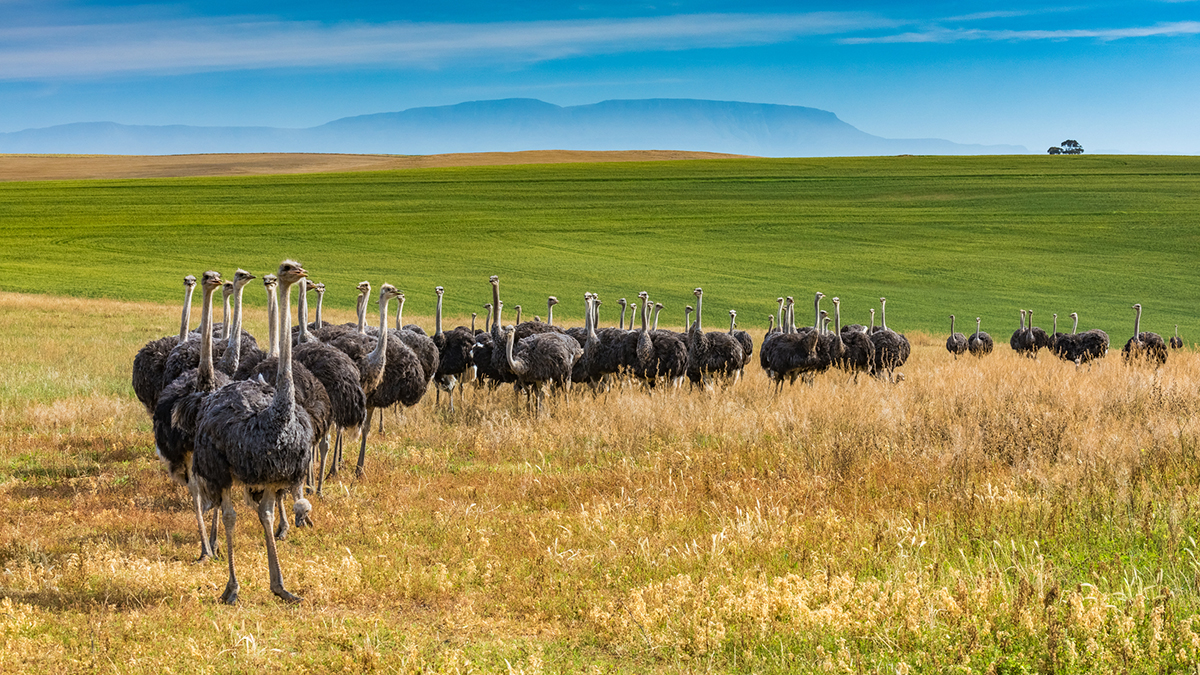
(227, 413)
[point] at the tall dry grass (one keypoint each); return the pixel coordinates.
(996, 514)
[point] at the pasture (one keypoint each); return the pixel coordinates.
(995, 515)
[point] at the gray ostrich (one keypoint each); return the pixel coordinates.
(151, 359)
(234, 353)
(1037, 337)
(716, 354)
(790, 354)
(1176, 341)
(1086, 346)
(891, 348)
(550, 303)
(339, 377)
(980, 344)
(318, 321)
(741, 336)
(1147, 345)
(370, 356)
(257, 435)
(177, 410)
(1021, 340)
(454, 353)
(186, 355)
(541, 361)
(956, 344)
(858, 354)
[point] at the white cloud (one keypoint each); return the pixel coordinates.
(942, 35)
(231, 44)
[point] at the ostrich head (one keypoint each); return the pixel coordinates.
(643, 296)
(836, 301)
(658, 305)
(622, 302)
(241, 278)
(211, 280)
(364, 287)
(698, 292)
(551, 301)
(291, 272)
(227, 290)
(439, 290)
(388, 292)
(494, 280)
(270, 281)
(319, 287)
(189, 281)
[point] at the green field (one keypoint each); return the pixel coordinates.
(976, 236)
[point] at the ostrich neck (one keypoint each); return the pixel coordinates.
(837, 319)
(362, 312)
(273, 320)
(1075, 328)
(204, 371)
(977, 323)
(437, 318)
(285, 396)
(952, 325)
(400, 314)
(779, 315)
(622, 326)
(656, 312)
(302, 312)
(320, 301)
(233, 346)
(588, 321)
(817, 314)
(883, 315)
(379, 355)
(187, 313)
(225, 317)
(699, 310)
(732, 322)
(549, 313)
(1137, 324)
(642, 317)
(515, 365)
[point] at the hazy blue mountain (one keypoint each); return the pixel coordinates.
(512, 125)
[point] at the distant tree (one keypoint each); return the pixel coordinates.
(1054, 150)
(1070, 147)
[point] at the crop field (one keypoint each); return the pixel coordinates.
(998, 515)
(973, 236)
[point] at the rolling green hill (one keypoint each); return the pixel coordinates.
(974, 236)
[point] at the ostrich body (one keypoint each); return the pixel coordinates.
(741, 336)
(891, 348)
(257, 435)
(1083, 347)
(980, 344)
(716, 354)
(1148, 346)
(540, 361)
(178, 408)
(956, 344)
(858, 354)
(151, 359)
(1038, 339)
(1176, 341)
(791, 354)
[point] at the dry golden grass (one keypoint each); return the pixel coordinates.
(998, 515)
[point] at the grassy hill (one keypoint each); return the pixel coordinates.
(974, 236)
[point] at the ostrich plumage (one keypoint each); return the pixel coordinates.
(980, 344)
(178, 409)
(151, 359)
(956, 344)
(257, 435)
(1144, 345)
(892, 349)
(454, 354)
(741, 336)
(858, 352)
(716, 354)
(1082, 347)
(791, 354)
(540, 361)
(1176, 341)
(1038, 338)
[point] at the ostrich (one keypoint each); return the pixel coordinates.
(1022, 339)
(741, 336)
(1148, 346)
(151, 359)
(234, 351)
(711, 354)
(1038, 339)
(256, 434)
(830, 347)
(980, 344)
(956, 344)
(623, 302)
(311, 395)
(550, 303)
(791, 354)
(891, 348)
(540, 361)
(1176, 342)
(331, 332)
(658, 355)
(420, 343)
(178, 406)
(1086, 346)
(318, 322)
(454, 353)
(858, 354)
(338, 375)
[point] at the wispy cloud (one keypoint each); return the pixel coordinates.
(942, 35)
(230, 44)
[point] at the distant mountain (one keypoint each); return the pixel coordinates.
(513, 125)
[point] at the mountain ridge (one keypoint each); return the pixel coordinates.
(513, 125)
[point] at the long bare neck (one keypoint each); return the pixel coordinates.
(380, 353)
(1075, 328)
(487, 320)
(642, 317)
(977, 324)
(273, 319)
(622, 326)
(204, 370)
(1137, 324)
(233, 345)
(496, 306)
(657, 309)
(517, 366)
(872, 326)
(225, 316)
(302, 312)
(883, 315)
(437, 318)
(285, 395)
(362, 312)
(817, 314)
(837, 319)
(400, 313)
(699, 310)
(320, 301)
(588, 321)
(952, 324)
(549, 313)
(1055, 328)
(187, 313)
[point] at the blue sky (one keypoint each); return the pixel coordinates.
(1117, 76)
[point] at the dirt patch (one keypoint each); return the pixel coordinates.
(77, 167)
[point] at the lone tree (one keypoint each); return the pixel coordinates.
(1070, 147)
(1054, 150)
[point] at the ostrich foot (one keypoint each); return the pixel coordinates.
(285, 596)
(281, 532)
(230, 595)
